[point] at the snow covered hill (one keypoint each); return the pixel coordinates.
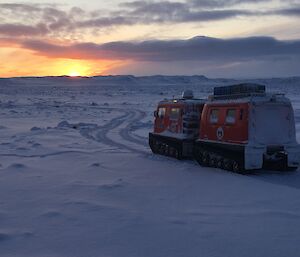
(77, 178)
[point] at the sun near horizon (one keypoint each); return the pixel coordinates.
(74, 74)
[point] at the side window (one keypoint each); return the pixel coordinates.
(230, 116)
(175, 113)
(161, 112)
(214, 116)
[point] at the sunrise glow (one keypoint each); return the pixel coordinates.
(74, 40)
(74, 74)
(75, 68)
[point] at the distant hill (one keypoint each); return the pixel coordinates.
(144, 80)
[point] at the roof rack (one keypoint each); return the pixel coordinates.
(180, 100)
(239, 90)
(236, 96)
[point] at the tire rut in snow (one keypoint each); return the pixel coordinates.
(126, 134)
(130, 117)
(121, 125)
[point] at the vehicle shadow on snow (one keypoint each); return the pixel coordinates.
(284, 178)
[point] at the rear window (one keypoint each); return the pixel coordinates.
(161, 112)
(214, 116)
(230, 116)
(175, 113)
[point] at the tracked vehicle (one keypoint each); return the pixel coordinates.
(240, 128)
(176, 126)
(244, 128)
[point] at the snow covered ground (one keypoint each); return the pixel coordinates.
(77, 178)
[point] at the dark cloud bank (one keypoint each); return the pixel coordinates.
(252, 56)
(196, 49)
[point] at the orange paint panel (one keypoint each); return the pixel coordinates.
(230, 126)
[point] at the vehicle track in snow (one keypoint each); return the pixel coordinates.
(118, 132)
(126, 133)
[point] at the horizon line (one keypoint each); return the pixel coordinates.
(142, 76)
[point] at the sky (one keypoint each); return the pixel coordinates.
(215, 38)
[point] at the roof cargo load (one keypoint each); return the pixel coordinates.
(239, 89)
(187, 94)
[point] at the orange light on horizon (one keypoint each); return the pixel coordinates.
(74, 74)
(74, 68)
(21, 62)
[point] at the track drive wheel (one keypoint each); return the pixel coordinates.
(167, 149)
(205, 158)
(213, 161)
(227, 164)
(220, 163)
(198, 156)
(161, 149)
(177, 154)
(155, 147)
(237, 167)
(171, 151)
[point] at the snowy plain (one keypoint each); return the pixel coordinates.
(77, 178)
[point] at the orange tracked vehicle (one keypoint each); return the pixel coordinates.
(240, 128)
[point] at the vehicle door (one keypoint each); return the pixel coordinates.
(161, 119)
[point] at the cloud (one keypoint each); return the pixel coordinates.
(30, 20)
(206, 4)
(105, 22)
(34, 20)
(28, 8)
(23, 30)
(201, 49)
(224, 3)
(289, 11)
(235, 57)
(252, 56)
(201, 10)
(165, 11)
